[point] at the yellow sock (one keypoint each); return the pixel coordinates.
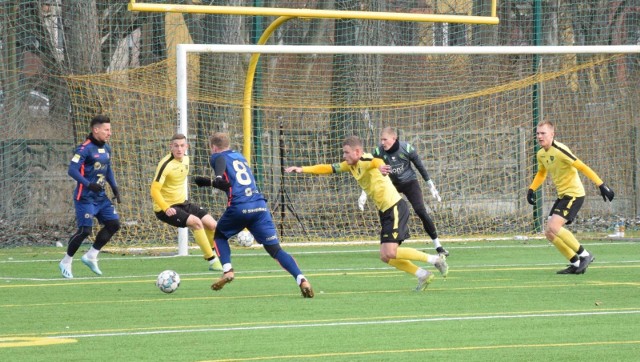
(563, 248)
(569, 239)
(404, 265)
(411, 254)
(210, 237)
(203, 242)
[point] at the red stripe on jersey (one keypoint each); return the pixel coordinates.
(226, 177)
(81, 185)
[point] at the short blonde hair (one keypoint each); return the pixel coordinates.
(353, 142)
(390, 131)
(220, 140)
(547, 123)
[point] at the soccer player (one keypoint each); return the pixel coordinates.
(557, 159)
(400, 155)
(170, 202)
(246, 208)
(371, 174)
(90, 166)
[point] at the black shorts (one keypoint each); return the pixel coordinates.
(394, 222)
(182, 214)
(567, 207)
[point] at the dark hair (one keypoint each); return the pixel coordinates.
(99, 119)
(178, 136)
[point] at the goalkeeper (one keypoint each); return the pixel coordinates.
(170, 202)
(556, 159)
(400, 155)
(393, 211)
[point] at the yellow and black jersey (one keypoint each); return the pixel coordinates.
(378, 188)
(168, 186)
(563, 166)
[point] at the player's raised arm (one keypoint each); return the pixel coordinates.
(322, 169)
(296, 169)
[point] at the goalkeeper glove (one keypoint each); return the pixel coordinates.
(202, 181)
(434, 191)
(606, 192)
(95, 187)
(531, 197)
(362, 200)
(116, 195)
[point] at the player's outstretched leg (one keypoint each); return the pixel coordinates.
(305, 288)
(227, 277)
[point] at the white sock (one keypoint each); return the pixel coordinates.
(67, 259)
(92, 253)
(299, 278)
(421, 273)
(432, 259)
(577, 263)
(584, 254)
(436, 243)
(226, 267)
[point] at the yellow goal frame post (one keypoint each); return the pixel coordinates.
(317, 13)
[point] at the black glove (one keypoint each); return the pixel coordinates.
(116, 195)
(606, 192)
(202, 181)
(531, 197)
(221, 184)
(95, 187)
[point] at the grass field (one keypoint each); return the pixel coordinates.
(502, 301)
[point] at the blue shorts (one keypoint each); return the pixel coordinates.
(102, 210)
(255, 216)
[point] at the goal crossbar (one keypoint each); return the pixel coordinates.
(182, 49)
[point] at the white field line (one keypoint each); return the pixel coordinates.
(351, 323)
(259, 251)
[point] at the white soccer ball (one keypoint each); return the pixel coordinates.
(168, 281)
(244, 238)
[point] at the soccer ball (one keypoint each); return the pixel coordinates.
(244, 238)
(168, 281)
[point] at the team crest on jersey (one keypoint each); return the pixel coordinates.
(97, 166)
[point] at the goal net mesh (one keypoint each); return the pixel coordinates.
(471, 119)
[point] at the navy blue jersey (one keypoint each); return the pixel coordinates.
(238, 172)
(91, 163)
